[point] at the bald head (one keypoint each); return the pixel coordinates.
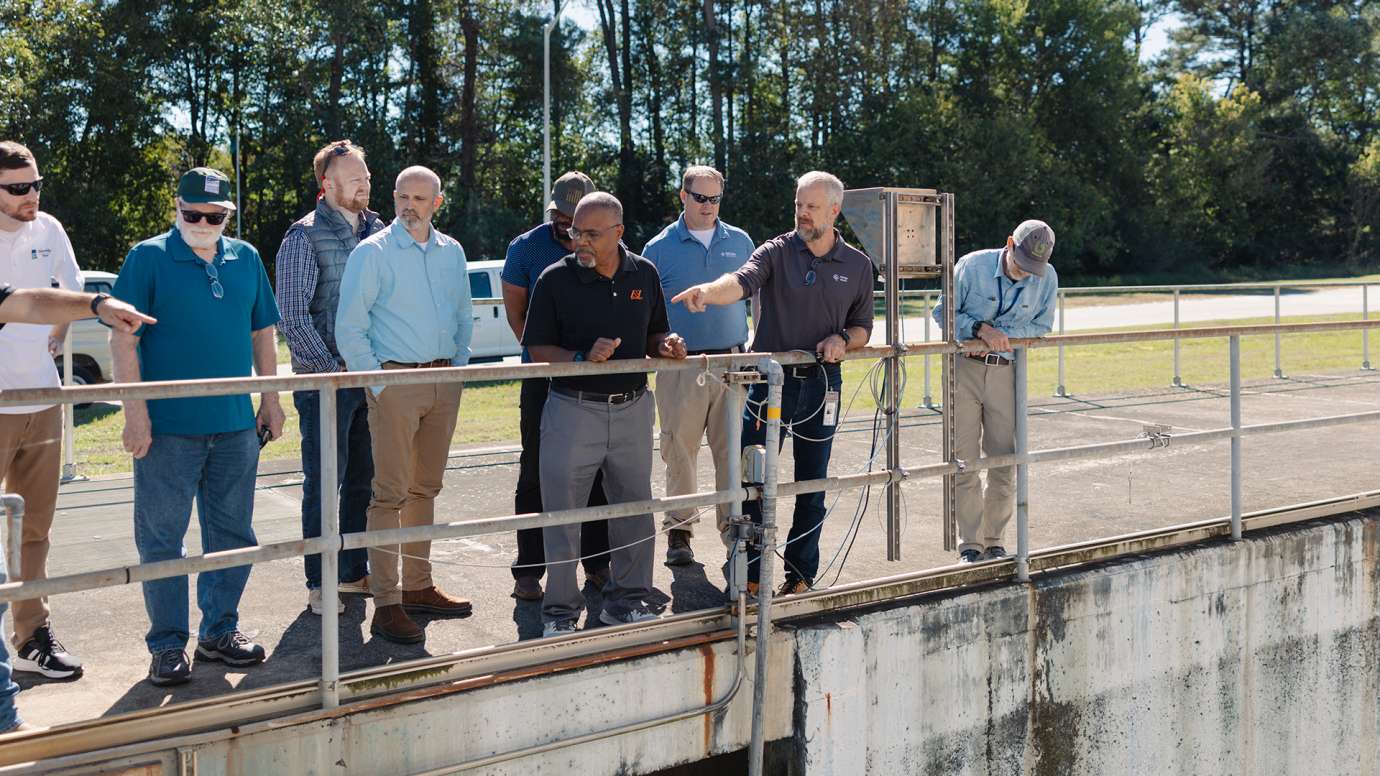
(419, 173)
(601, 200)
(416, 196)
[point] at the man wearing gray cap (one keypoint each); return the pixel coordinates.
(1002, 294)
(528, 256)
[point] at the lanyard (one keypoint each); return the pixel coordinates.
(1001, 294)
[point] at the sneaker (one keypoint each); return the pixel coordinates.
(969, 556)
(995, 552)
(527, 589)
(358, 587)
(169, 667)
(42, 654)
(314, 602)
(233, 649)
(794, 587)
(597, 578)
(559, 628)
(678, 550)
(635, 614)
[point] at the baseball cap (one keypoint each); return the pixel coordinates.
(205, 186)
(568, 191)
(1034, 246)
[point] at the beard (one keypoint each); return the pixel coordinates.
(808, 233)
(25, 211)
(203, 235)
(356, 203)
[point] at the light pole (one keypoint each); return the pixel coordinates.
(546, 102)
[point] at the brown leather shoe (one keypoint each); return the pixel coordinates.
(527, 589)
(434, 601)
(793, 587)
(393, 624)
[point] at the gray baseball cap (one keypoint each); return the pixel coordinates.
(1034, 246)
(568, 191)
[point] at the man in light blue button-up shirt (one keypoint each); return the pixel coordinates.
(405, 304)
(697, 248)
(1000, 294)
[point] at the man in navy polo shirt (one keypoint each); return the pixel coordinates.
(528, 255)
(697, 248)
(216, 315)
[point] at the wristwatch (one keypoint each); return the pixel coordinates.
(579, 356)
(976, 328)
(846, 339)
(96, 302)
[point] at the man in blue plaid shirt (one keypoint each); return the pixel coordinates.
(310, 264)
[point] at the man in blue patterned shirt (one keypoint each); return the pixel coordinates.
(528, 255)
(310, 263)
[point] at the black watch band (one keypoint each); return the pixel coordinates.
(844, 336)
(96, 302)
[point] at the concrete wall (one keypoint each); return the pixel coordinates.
(1256, 658)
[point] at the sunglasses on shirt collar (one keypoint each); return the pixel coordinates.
(20, 189)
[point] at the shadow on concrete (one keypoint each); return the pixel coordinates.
(691, 589)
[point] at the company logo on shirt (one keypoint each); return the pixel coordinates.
(840, 278)
(39, 253)
(636, 295)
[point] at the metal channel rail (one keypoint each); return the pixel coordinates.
(236, 714)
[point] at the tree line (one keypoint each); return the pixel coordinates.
(1249, 145)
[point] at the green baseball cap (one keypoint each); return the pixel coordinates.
(205, 186)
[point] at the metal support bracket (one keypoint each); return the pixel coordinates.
(1158, 434)
(744, 377)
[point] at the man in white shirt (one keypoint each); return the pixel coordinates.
(34, 253)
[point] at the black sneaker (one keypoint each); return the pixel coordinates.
(170, 667)
(995, 552)
(42, 654)
(232, 649)
(969, 556)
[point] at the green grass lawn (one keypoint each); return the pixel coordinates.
(489, 412)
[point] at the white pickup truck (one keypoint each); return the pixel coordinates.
(493, 340)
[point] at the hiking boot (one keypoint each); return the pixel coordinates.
(314, 602)
(233, 649)
(434, 600)
(793, 587)
(678, 550)
(635, 614)
(42, 654)
(995, 552)
(527, 589)
(393, 624)
(169, 667)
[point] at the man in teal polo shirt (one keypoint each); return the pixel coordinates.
(697, 248)
(216, 314)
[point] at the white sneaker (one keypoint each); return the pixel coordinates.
(314, 602)
(636, 614)
(559, 628)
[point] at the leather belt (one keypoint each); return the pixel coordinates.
(437, 364)
(715, 351)
(599, 398)
(991, 359)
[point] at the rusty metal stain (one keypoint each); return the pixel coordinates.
(707, 652)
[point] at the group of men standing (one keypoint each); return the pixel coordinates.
(354, 293)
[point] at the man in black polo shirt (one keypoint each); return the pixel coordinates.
(597, 304)
(816, 294)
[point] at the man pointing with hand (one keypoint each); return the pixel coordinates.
(598, 304)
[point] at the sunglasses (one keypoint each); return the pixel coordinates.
(213, 274)
(591, 234)
(194, 217)
(339, 149)
(20, 189)
(810, 273)
(705, 199)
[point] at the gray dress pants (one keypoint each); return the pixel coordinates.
(579, 438)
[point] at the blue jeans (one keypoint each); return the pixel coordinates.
(354, 468)
(217, 471)
(9, 715)
(801, 399)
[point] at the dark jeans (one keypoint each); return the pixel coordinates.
(594, 535)
(354, 468)
(801, 398)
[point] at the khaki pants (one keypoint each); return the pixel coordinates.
(985, 417)
(30, 465)
(410, 427)
(687, 410)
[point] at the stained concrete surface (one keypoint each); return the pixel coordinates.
(1070, 501)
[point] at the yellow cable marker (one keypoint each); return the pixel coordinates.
(773, 413)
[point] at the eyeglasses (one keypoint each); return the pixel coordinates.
(213, 274)
(195, 216)
(705, 199)
(810, 273)
(20, 189)
(590, 234)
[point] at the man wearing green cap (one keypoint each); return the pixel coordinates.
(999, 294)
(216, 316)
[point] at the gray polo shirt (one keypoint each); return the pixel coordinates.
(796, 316)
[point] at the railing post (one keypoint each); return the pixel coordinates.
(1022, 469)
(330, 532)
(1279, 370)
(1178, 379)
(1060, 391)
(737, 555)
(69, 416)
(1235, 357)
(929, 397)
(766, 565)
(14, 512)
(1365, 333)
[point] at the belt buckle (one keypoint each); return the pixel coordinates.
(992, 359)
(619, 398)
